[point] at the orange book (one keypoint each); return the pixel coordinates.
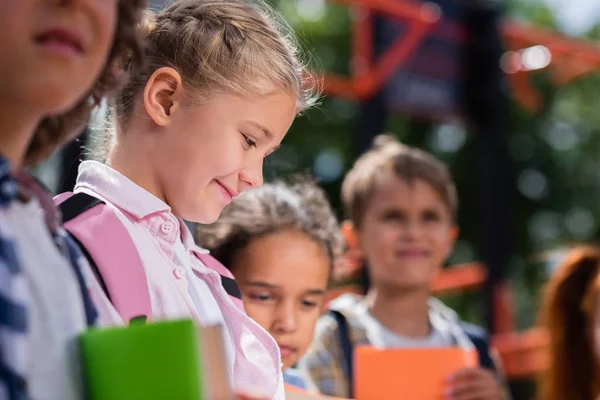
(408, 374)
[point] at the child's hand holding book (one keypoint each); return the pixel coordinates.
(474, 383)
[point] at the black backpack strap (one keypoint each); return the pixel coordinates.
(72, 208)
(77, 205)
(347, 348)
(231, 287)
(480, 340)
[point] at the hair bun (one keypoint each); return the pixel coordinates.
(147, 24)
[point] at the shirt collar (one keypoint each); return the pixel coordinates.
(122, 192)
(188, 240)
(119, 190)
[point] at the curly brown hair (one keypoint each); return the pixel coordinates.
(127, 45)
(298, 204)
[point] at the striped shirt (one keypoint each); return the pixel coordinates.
(44, 302)
(14, 298)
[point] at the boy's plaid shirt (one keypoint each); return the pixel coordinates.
(14, 290)
(323, 363)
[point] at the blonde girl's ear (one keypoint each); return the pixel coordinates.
(162, 95)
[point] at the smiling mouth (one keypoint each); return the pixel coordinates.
(62, 41)
(413, 253)
(230, 192)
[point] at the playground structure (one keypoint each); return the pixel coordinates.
(566, 59)
(570, 58)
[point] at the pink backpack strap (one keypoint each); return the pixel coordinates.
(110, 250)
(227, 279)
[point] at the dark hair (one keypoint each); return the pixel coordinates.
(568, 313)
(272, 208)
(406, 163)
(127, 45)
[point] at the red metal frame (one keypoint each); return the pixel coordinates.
(571, 58)
(368, 75)
(460, 278)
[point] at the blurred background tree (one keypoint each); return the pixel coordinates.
(555, 152)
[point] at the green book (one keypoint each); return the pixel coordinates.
(163, 360)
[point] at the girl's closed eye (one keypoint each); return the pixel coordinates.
(248, 142)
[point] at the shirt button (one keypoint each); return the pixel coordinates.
(167, 227)
(179, 272)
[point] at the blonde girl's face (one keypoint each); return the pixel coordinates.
(283, 278)
(214, 151)
(53, 51)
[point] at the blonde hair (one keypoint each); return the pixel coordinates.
(221, 46)
(405, 163)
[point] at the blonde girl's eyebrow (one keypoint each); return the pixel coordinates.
(267, 132)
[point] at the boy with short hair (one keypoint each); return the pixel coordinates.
(401, 203)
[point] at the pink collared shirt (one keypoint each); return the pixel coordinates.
(255, 364)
